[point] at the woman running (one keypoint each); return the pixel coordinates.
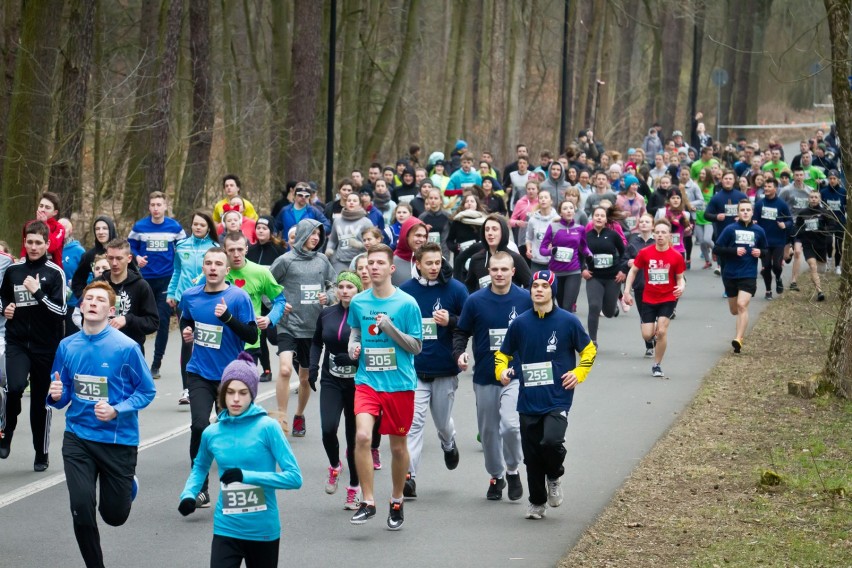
(564, 243)
(605, 270)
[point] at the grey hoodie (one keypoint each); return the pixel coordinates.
(536, 228)
(555, 187)
(303, 274)
(344, 242)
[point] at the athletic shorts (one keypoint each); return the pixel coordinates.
(649, 313)
(814, 251)
(395, 408)
(733, 286)
(301, 346)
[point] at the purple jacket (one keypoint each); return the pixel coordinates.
(566, 246)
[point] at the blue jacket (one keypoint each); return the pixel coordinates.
(835, 201)
(737, 235)
(286, 219)
(189, 254)
(254, 443)
(768, 213)
(157, 243)
(720, 203)
(117, 366)
(72, 252)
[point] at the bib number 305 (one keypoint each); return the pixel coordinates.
(380, 359)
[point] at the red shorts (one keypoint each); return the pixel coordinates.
(395, 408)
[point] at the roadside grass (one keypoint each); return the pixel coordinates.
(749, 475)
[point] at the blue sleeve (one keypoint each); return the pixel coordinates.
(200, 467)
(135, 371)
(278, 305)
(290, 476)
(135, 243)
(173, 283)
(324, 220)
(67, 384)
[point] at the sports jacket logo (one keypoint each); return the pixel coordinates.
(551, 343)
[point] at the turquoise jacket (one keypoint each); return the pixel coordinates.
(189, 255)
(255, 443)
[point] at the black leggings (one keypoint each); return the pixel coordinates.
(568, 289)
(838, 247)
(773, 263)
(185, 354)
(338, 396)
(603, 297)
(202, 399)
(228, 552)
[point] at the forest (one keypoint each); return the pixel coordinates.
(105, 101)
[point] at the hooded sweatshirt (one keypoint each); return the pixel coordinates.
(37, 325)
(465, 230)
(304, 274)
(404, 193)
(84, 269)
(556, 187)
(189, 255)
(477, 272)
(403, 256)
(536, 229)
(564, 247)
(136, 302)
(55, 241)
(254, 443)
(344, 241)
(72, 253)
(439, 228)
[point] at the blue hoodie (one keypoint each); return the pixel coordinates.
(723, 202)
(767, 214)
(72, 252)
(189, 254)
(737, 235)
(254, 443)
(113, 358)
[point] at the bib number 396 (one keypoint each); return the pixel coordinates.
(239, 498)
(380, 359)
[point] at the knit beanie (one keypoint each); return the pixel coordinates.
(243, 370)
(547, 276)
(350, 277)
(629, 180)
(460, 144)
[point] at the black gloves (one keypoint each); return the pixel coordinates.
(231, 475)
(187, 506)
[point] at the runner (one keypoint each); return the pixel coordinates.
(32, 297)
(246, 524)
(834, 197)
(102, 374)
(564, 243)
(635, 243)
(337, 395)
(412, 235)
(542, 342)
(189, 258)
(605, 268)
(306, 276)
(812, 231)
(721, 210)
(386, 379)
(537, 223)
(486, 315)
(796, 196)
(219, 319)
(662, 266)
(495, 238)
(772, 214)
(152, 242)
(740, 245)
(441, 299)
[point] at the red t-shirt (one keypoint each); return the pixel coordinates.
(661, 270)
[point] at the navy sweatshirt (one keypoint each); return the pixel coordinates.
(767, 214)
(739, 234)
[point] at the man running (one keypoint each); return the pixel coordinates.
(102, 374)
(218, 317)
(386, 335)
(773, 215)
(441, 299)
(662, 267)
(486, 315)
(543, 343)
(740, 245)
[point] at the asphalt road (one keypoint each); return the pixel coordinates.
(618, 414)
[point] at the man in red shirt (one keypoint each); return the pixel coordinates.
(662, 267)
(48, 213)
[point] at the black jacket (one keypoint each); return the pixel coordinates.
(38, 324)
(135, 301)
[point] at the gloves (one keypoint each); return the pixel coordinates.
(312, 381)
(231, 475)
(187, 506)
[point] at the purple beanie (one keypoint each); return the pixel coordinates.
(243, 370)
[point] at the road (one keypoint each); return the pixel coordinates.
(618, 414)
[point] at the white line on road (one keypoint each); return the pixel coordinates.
(42, 484)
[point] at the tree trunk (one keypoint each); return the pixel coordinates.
(626, 92)
(653, 110)
(732, 17)
(590, 66)
(282, 16)
(757, 62)
(838, 366)
(307, 69)
(67, 167)
(519, 21)
(30, 116)
(697, 47)
(498, 79)
(455, 111)
(346, 153)
(672, 54)
(10, 27)
(194, 180)
(232, 82)
(742, 77)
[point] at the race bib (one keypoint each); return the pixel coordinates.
(744, 238)
(405, 198)
(731, 210)
(495, 338)
(537, 374)
(658, 276)
(801, 202)
(564, 254)
(833, 204)
(812, 224)
(380, 359)
(157, 245)
(89, 387)
(23, 296)
(675, 238)
(485, 282)
(631, 222)
(430, 329)
(309, 293)
(539, 236)
(434, 237)
(770, 213)
(240, 498)
(344, 242)
(603, 260)
(340, 371)
(207, 335)
(466, 245)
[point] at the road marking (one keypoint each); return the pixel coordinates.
(41, 485)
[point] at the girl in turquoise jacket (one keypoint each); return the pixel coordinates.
(249, 448)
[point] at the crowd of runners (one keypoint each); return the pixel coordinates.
(372, 300)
